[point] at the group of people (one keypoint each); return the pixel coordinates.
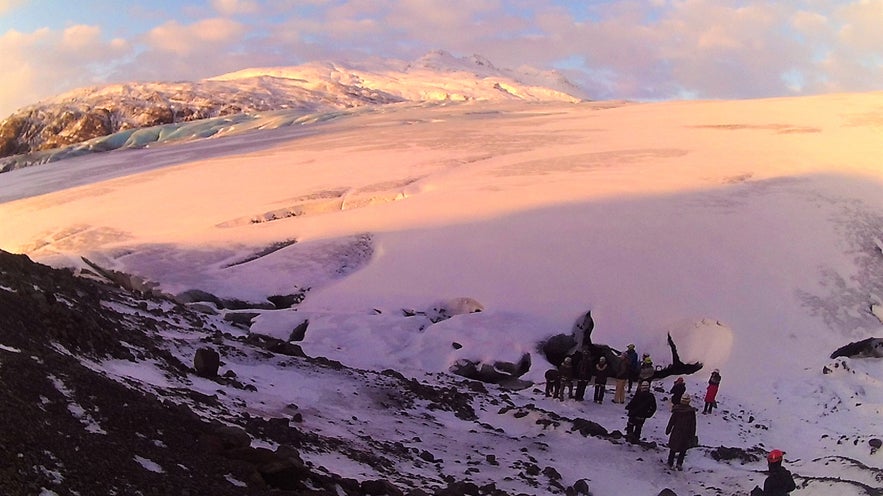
(576, 371)
(681, 427)
(572, 378)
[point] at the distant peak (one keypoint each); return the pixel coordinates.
(444, 61)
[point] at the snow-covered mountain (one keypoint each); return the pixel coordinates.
(386, 288)
(110, 116)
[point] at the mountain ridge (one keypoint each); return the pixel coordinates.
(96, 112)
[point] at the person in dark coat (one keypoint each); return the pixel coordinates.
(602, 370)
(565, 372)
(583, 374)
(641, 407)
(553, 383)
(677, 391)
(632, 361)
(682, 431)
(711, 392)
(779, 482)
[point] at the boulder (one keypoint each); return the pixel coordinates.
(206, 362)
(589, 428)
(455, 306)
(581, 488)
(497, 373)
(380, 487)
(557, 347)
(866, 348)
(299, 332)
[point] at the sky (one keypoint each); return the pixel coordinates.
(749, 230)
(639, 50)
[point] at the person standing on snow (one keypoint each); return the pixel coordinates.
(682, 431)
(602, 370)
(711, 392)
(646, 370)
(553, 382)
(583, 374)
(621, 374)
(632, 361)
(641, 407)
(677, 391)
(565, 373)
(779, 481)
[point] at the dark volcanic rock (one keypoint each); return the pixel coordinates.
(62, 414)
(866, 348)
(206, 362)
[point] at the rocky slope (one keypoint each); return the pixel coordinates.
(73, 426)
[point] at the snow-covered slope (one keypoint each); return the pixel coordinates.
(748, 230)
(109, 117)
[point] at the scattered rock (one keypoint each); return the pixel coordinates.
(723, 453)
(557, 347)
(551, 473)
(581, 488)
(241, 319)
(300, 332)
(866, 348)
(380, 487)
(206, 362)
(589, 428)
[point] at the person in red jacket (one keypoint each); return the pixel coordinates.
(711, 392)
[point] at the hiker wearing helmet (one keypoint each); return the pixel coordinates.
(645, 372)
(779, 482)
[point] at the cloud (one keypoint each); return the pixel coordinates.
(80, 37)
(46, 62)
(9, 5)
(200, 36)
(235, 7)
(861, 23)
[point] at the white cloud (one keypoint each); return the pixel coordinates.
(9, 5)
(861, 31)
(234, 7)
(186, 39)
(46, 62)
(80, 37)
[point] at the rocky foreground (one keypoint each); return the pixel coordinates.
(70, 429)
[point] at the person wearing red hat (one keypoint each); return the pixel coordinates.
(779, 481)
